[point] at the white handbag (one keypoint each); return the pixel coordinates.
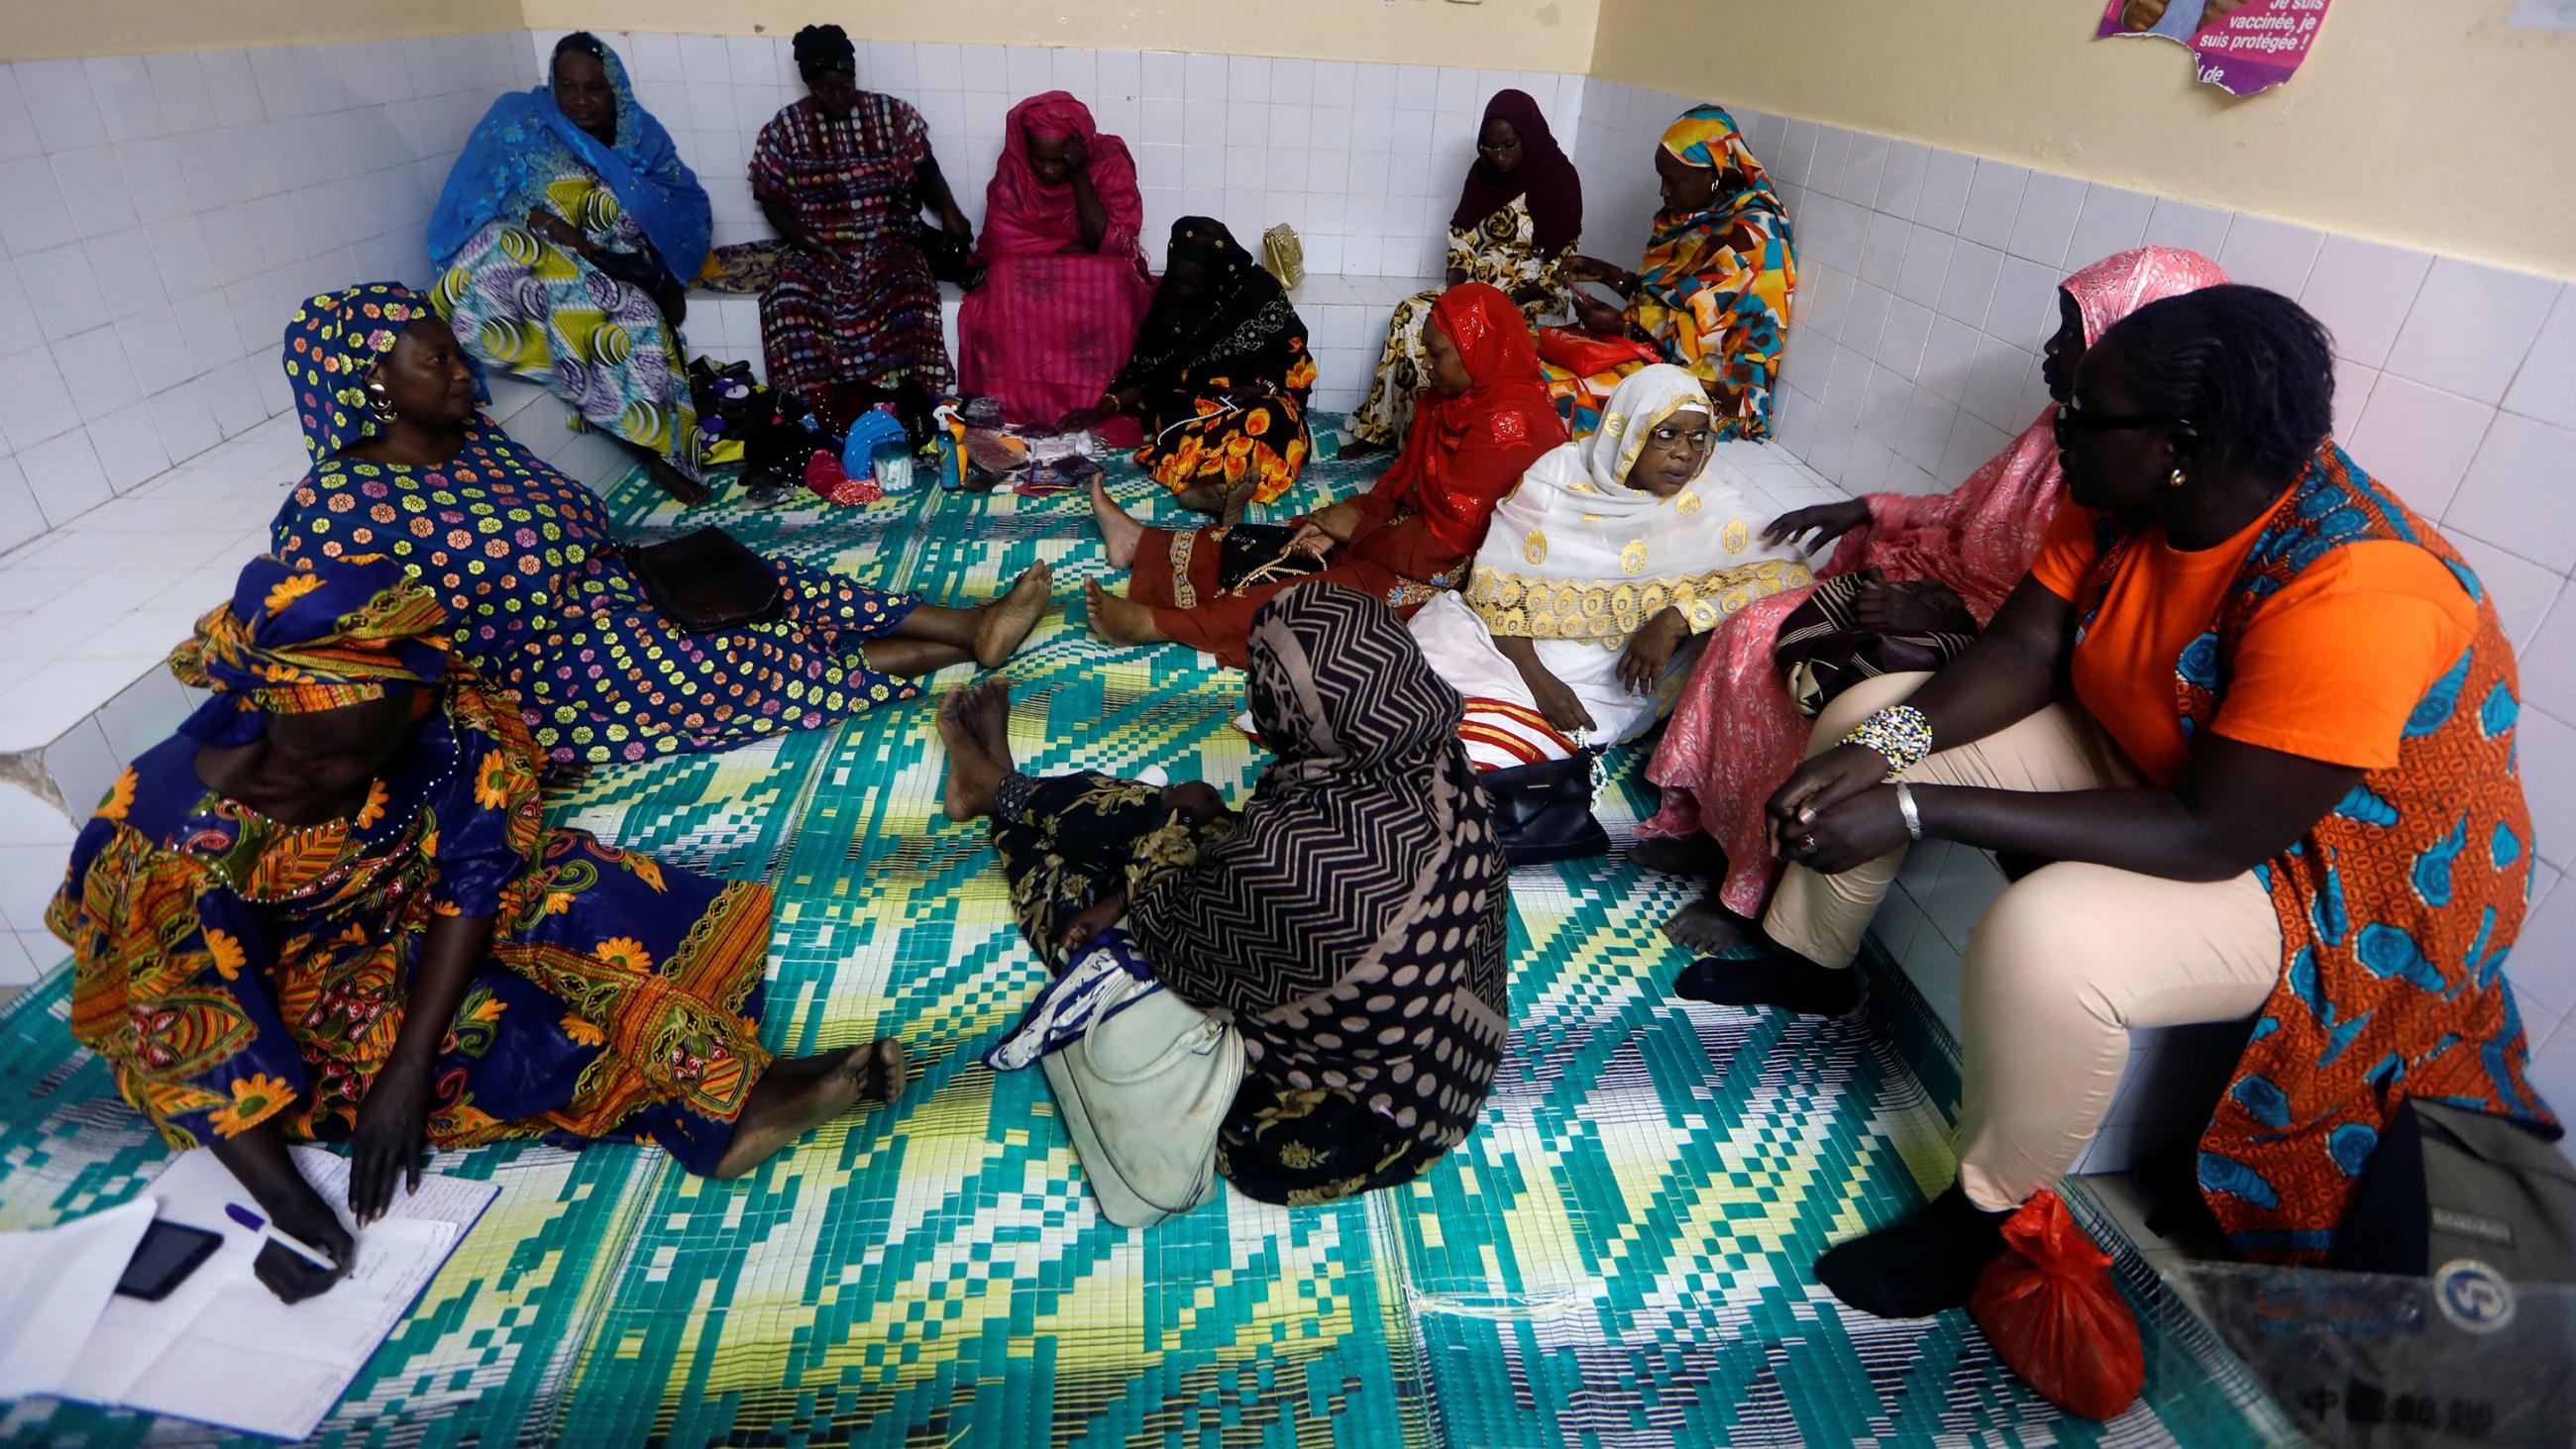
(1143, 1078)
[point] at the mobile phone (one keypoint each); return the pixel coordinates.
(168, 1254)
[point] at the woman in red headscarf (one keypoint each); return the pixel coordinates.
(1484, 420)
(1065, 281)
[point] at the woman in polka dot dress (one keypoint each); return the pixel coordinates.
(406, 464)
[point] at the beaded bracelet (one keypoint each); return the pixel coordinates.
(1900, 734)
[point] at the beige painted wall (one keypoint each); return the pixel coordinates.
(55, 29)
(2425, 122)
(1551, 35)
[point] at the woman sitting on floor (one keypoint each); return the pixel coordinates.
(329, 909)
(564, 241)
(843, 176)
(1519, 215)
(1483, 422)
(1361, 888)
(1065, 283)
(1599, 576)
(1218, 378)
(1711, 296)
(2284, 785)
(1735, 734)
(538, 593)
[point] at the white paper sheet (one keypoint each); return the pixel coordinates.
(221, 1349)
(54, 1284)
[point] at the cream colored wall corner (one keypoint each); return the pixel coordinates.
(2425, 122)
(52, 30)
(1550, 35)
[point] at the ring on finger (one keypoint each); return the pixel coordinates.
(1805, 845)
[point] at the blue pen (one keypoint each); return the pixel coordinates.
(280, 1236)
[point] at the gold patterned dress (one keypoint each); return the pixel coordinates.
(1500, 251)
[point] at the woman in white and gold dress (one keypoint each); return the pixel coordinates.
(1598, 577)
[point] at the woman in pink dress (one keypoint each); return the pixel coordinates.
(1065, 283)
(1734, 734)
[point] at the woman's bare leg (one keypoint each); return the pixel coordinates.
(798, 1094)
(989, 633)
(974, 723)
(1118, 529)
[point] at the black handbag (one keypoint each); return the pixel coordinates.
(1823, 649)
(1543, 812)
(706, 581)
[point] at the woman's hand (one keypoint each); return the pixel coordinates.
(1579, 268)
(1650, 649)
(954, 222)
(1533, 294)
(1338, 521)
(287, 1273)
(1091, 921)
(1918, 606)
(1827, 521)
(1077, 157)
(1084, 419)
(561, 232)
(1311, 540)
(1196, 799)
(392, 1130)
(1856, 831)
(1817, 786)
(1557, 702)
(1598, 317)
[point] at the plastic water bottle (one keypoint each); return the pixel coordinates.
(893, 461)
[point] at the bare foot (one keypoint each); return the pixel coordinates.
(674, 482)
(1706, 927)
(1117, 529)
(1117, 620)
(1004, 624)
(1237, 499)
(1202, 498)
(1695, 856)
(798, 1094)
(974, 723)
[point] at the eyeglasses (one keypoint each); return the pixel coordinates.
(2071, 419)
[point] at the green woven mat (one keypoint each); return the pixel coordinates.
(1618, 1256)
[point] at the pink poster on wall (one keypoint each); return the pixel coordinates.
(2243, 46)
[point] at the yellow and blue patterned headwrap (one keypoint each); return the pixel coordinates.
(334, 341)
(1705, 136)
(293, 641)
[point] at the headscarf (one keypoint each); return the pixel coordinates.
(1980, 537)
(1449, 471)
(1576, 553)
(1546, 176)
(295, 641)
(1026, 217)
(1706, 137)
(332, 343)
(1369, 819)
(526, 141)
(1243, 334)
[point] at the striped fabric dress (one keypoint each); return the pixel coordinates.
(868, 312)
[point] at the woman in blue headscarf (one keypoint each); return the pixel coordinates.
(565, 240)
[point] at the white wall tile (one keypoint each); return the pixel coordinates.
(2361, 290)
(64, 474)
(2051, 205)
(2549, 664)
(1970, 287)
(2419, 441)
(35, 218)
(95, 372)
(2545, 388)
(2113, 220)
(1994, 203)
(2542, 967)
(64, 108)
(2273, 254)
(2470, 328)
(63, 292)
(128, 445)
(17, 128)
(2202, 229)
(2548, 751)
(2515, 494)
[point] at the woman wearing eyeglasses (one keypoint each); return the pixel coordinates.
(2262, 718)
(1519, 215)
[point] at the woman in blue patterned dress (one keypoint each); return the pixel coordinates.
(565, 241)
(538, 595)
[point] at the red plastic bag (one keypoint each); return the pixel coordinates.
(1585, 355)
(2055, 1317)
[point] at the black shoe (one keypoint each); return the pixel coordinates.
(1924, 1265)
(1768, 976)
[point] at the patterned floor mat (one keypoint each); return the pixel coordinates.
(1618, 1256)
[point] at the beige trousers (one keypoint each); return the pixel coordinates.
(2062, 966)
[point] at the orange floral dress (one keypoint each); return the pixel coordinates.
(233, 971)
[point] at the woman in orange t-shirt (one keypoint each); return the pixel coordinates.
(2262, 718)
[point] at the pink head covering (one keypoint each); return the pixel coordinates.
(2118, 285)
(1025, 217)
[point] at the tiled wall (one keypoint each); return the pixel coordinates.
(1926, 285)
(161, 215)
(1363, 160)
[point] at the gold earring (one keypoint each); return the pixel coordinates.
(2174, 479)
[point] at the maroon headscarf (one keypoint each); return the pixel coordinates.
(1545, 176)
